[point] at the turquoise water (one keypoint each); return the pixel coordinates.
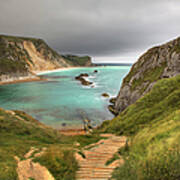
(64, 101)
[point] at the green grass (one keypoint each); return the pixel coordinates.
(154, 153)
(111, 160)
(9, 66)
(147, 76)
(153, 127)
(161, 101)
(13, 57)
(77, 60)
(20, 132)
(61, 163)
(142, 60)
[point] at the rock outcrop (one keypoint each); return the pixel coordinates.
(82, 79)
(106, 95)
(157, 63)
(22, 57)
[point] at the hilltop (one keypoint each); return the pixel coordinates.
(22, 57)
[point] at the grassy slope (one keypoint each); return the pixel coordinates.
(7, 65)
(77, 60)
(18, 134)
(147, 75)
(153, 125)
(13, 57)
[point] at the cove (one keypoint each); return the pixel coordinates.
(62, 100)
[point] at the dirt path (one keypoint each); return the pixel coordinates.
(93, 167)
(27, 169)
(73, 132)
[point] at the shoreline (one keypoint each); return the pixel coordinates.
(26, 79)
(36, 77)
(58, 70)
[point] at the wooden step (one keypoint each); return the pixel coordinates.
(93, 166)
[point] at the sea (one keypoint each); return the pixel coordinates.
(62, 101)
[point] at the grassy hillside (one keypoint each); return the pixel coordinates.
(19, 132)
(11, 60)
(78, 60)
(20, 56)
(153, 127)
(157, 63)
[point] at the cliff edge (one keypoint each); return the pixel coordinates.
(22, 57)
(157, 63)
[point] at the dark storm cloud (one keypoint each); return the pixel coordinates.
(95, 27)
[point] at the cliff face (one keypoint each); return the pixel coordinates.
(23, 57)
(157, 63)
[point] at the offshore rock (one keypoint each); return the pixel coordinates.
(83, 80)
(22, 57)
(105, 95)
(111, 107)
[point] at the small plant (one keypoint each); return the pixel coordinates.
(82, 154)
(31, 178)
(115, 157)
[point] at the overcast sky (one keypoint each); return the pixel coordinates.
(107, 30)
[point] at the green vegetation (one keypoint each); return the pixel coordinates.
(19, 132)
(161, 101)
(39, 43)
(153, 125)
(176, 48)
(61, 163)
(18, 38)
(143, 59)
(14, 59)
(154, 152)
(78, 60)
(10, 66)
(149, 77)
(115, 157)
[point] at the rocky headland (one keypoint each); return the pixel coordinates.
(21, 58)
(157, 63)
(147, 111)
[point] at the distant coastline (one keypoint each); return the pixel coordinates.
(113, 64)
(37, 74)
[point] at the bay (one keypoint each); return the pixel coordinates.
(62, 100)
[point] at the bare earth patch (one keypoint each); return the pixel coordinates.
(27, 169)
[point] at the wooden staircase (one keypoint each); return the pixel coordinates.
(93, 166)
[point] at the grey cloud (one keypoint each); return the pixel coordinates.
(98, 28)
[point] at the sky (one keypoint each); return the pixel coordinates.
(106, 30)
